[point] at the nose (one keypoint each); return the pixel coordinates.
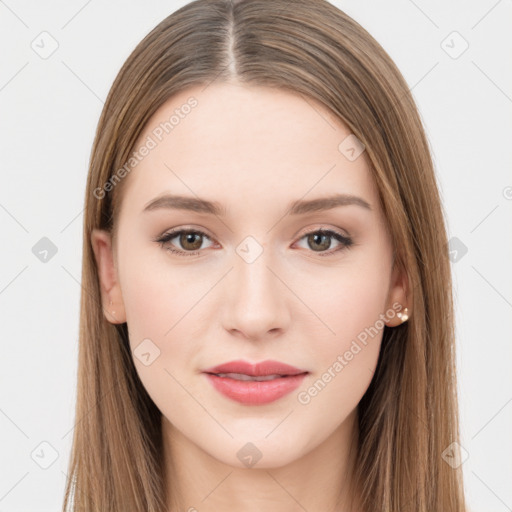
(257, 299)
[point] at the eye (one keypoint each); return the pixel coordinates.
(190, 240)
(321, 239)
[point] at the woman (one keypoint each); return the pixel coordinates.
(267, 319)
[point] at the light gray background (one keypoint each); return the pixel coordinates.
(49, 111)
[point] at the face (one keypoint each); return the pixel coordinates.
(253, 280)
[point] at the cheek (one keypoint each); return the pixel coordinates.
(150, 306)
(157, 295)
(160, 303)
(352, 306)
(358, 307)
(159, 306)
(351, 302)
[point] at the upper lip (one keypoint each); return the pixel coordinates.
(262, 368)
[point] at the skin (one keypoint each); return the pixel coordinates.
(254, 150)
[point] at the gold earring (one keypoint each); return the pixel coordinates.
(403, 316)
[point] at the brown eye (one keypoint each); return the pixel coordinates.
(190, 240)
(320, 241)
(323, 242)
(187, 242)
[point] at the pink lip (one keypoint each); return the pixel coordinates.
(254, 392)
(263, 368)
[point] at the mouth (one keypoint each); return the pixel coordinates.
(255, 384)
(268, 368)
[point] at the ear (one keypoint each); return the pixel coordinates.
(398, 296)
(101, 242)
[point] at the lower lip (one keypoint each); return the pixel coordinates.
(255, 392)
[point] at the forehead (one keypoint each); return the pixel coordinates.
(262, 143)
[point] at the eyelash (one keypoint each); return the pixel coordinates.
(167, 237)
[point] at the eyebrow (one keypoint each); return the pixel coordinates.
(298, 207)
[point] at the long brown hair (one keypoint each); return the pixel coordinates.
(409, 414)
